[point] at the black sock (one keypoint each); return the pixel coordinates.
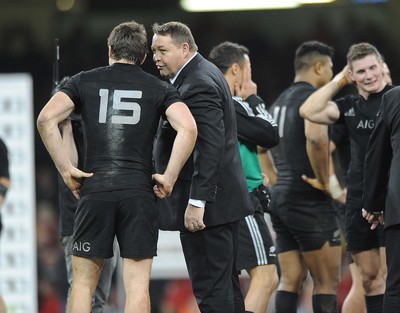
(325, 303)
(374, 303)
(286, 302)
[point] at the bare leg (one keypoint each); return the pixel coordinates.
(85, 278)
(136, 273)
(263, 282)
(355, 299)
(324, 266)
(369, 264)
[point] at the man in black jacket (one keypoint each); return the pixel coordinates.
(211, 192)
(381, 170)
(256, 128)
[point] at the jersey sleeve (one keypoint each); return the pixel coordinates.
(171, 96)
(71, 89)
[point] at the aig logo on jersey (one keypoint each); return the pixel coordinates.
(366, 124)
(81, 246)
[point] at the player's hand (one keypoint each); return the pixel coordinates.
(74, 178)
(343, 78)
(194, 218)
(163, 186)
(374, 218)
(265, 179)
(248, 87)
(315, 183)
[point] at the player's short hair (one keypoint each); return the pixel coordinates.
(128, 41)
(361, 50)
(310, 52)
(227, 53)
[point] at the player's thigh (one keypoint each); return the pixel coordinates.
(359, 236)
(255, 244)
(324, 265)
(369, 262)
(86, 271)
(264, 275)
(137, 224)
(293, 271)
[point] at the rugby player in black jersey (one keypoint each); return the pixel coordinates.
(358, 112)
(121, 106)
(303, 217)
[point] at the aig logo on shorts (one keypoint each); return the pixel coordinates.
(81, 246)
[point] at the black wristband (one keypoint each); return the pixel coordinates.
(3, 190)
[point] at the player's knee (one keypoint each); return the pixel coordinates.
(372, 282)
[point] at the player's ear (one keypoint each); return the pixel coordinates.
(235, 68)
(318, 67)
(144, 59)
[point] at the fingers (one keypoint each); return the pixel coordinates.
(195, 225)
(159, 192)
(84, 174)
(194, 218)
(76, 194)
(373, 219)
(305, 178)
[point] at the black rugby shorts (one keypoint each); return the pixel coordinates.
(130, 215)
(359, 236)
(256, 246)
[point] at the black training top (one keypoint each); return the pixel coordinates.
(290, 156)
(120, 106)
(359, 115)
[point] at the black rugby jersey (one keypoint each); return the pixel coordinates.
(120, 107)
(290, 156)
(359, 115)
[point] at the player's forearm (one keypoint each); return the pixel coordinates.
(181, 150)
(267, 166)
(69, 142)
(319, 164)
(317, 150)
(51, 137)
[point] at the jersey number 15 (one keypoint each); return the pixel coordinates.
(119, 104)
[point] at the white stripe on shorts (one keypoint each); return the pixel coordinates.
(257, 240)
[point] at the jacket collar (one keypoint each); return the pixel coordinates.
(187, 69)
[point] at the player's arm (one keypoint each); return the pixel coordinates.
(69, 142)
(267, 165)
(180, 118)
(57, 109)
(335, 189)
(317, 143)
(319, 108)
